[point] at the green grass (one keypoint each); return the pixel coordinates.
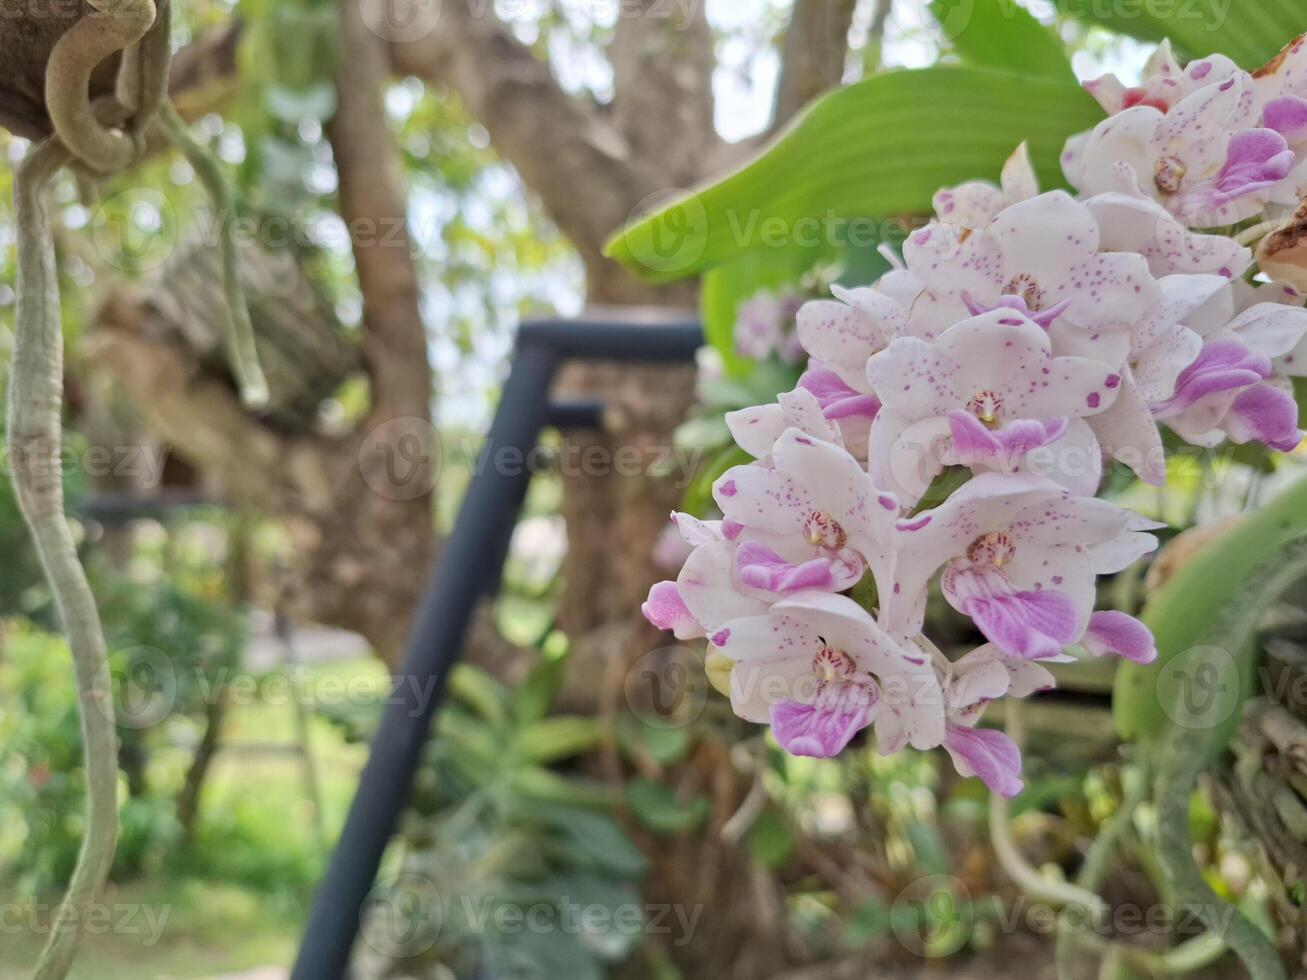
(166, 929)
(236, 898)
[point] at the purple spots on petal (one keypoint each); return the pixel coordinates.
(729, 489)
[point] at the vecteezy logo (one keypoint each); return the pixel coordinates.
(933, 916)
(1199, 688)
(667, 687)
(135, 230)
(669, 231)
(401, 20)
(399, 459)
(145, 686)
(402, 916)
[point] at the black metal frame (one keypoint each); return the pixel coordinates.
(469, 567)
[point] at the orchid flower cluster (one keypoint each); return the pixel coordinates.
(1021, 340)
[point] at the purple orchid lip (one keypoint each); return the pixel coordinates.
(1005, 447)
(987, 754)
(1223, 365)
(1034, 625)
(759, 567)
(837, 400)
(1044, 318)
(1257, 159)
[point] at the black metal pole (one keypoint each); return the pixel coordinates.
(664, 341)
(468, 568)
(458, 581)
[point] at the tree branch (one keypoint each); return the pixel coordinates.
(557, 142)
(373, 206)
(873, 58)
(663, 63)
(813, 55)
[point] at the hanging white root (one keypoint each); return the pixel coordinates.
(35, 435)
(242, 353)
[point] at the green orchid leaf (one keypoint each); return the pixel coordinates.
(1002, 34)
(1251, 32)
(1187, 616)
(881, 147)
(657, 807)
(551, 739)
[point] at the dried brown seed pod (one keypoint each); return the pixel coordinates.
(1282, 254)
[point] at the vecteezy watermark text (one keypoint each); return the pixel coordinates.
(135, 919)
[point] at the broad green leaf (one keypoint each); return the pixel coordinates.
(545, 785)
(591, 838)
(479, 691)
(657, 807)
(870, 921)
(610, 936)
(1003, 35)
(1185, 615)
(531, 699)
(469, 744)
(1133, 20)
(878, 148)
(551, 739)
(637, 737)
(1251, 32)
(540, 953)
(770, 840)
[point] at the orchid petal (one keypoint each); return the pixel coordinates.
(823, 728)
(1124, 636)
(987, 754)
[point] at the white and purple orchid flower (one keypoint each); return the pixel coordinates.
(985, 395)
(818, 669)
(1204, 158)
(978, 202)
(1020, 555)
(951, 426)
